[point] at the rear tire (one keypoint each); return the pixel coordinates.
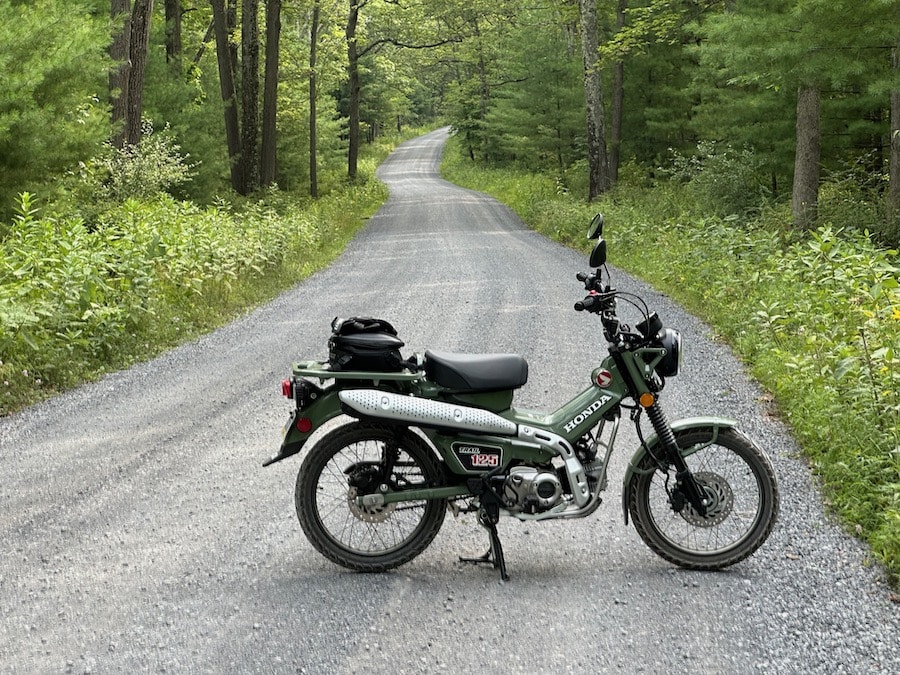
(367, 539)
(744, 498)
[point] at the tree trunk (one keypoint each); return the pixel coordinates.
(353, 77)
(313, 123)
(173, 34)
(805, 196)
(226, 85)
(894, 192)
(618, 104)
(140, 39)
(249, 96)
(268, 163)
(597, 160)
(119, 52)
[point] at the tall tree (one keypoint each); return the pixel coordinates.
(268, 157)
(141, 15)
(313, 93)
(894, 135)
(249, 96)
(805, 193)
(353, 83)
(227, 88)
(173, 12)
(119, 52)
(598, 163)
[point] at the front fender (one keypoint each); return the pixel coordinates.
(304, 423)
(714, 424)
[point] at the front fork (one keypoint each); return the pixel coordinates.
(686, 486)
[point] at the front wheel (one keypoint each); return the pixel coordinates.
(740, 484)
(360, 459)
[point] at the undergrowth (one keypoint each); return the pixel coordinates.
(816, 317)
(82, 297)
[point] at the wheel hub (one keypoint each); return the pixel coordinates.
(368, 514)
(720, 500)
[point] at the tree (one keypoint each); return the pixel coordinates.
(229, 95)
(249, 156)
(141, 15)
(269, 153)
(805, 193)
(119, 52)
(598, 163)
(173, 33)
(313, 93)
(54, 74)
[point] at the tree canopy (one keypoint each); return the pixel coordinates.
(802, 89)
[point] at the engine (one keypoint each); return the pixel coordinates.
(530, 490)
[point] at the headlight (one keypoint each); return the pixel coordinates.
(670, 340)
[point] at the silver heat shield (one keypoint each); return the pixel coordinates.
(425, 412)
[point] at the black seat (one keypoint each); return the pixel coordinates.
(476, 372)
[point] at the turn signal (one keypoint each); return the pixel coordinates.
(304, 425)
(647, 399)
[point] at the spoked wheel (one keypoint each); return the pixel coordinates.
(356, 460)
(741, 491)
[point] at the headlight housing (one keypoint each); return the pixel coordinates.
(670, 340)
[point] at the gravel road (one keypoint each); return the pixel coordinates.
(141, 534)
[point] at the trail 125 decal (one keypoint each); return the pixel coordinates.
(478, 457)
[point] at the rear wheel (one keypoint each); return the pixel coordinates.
(356, 460)
(740, 486)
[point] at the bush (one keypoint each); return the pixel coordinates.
(723, 180)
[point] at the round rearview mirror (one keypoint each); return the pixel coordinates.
(595, 229)
(598, 255)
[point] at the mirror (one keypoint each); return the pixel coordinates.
(598, 255)
(595, 229)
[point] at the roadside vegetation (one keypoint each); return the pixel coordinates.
(815, 316)
(96, 289)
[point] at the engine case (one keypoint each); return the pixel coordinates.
(530, 490)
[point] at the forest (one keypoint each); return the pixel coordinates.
(165, 164)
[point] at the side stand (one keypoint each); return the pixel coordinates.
(488, 516)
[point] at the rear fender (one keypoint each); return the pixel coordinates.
(304, 422)
(713, 424)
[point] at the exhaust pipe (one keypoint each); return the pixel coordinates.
(425, 412)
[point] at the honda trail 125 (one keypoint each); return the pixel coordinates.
(440, 430)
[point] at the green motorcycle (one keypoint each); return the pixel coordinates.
(439, 431)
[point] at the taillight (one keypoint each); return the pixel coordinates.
(287, 388)
(304, 425)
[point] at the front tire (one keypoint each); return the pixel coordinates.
(350, 462)
(743, 491)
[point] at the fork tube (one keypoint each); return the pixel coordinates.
(685, 479)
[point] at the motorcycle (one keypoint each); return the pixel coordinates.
(438, 432)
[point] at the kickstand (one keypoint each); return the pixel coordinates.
(494, 554)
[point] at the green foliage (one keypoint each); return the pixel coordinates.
(52, 79)
(76, 300)
(154, 167)
(816, 318)
(721, 179)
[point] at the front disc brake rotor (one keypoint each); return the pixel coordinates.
(720, 497)
(368, 514)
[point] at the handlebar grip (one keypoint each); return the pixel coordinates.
(582, 276)
(587, 303)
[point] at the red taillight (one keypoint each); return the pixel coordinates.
(303, 425)
(287, 389)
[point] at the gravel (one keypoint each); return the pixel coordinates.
(141, 533)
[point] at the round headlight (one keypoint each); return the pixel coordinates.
(670, 340)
